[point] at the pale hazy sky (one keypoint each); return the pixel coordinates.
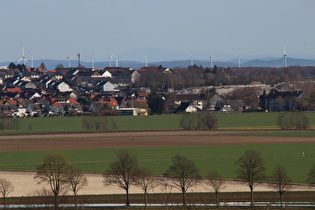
(55, 29)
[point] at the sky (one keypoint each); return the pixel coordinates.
(55, 29)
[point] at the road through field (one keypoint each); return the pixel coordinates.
(136, 139)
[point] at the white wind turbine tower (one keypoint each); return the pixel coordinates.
(191, 60)
(211, 59)
(23, 57)
(116, 60)
(110, 60)
(146, 60)
(68, 58)
(32, 58)
(284, 58)
(239, 61)
(92, 60)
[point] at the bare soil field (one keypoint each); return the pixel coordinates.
(76, 141)
(25, 184)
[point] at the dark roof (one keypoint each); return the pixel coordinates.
(189, 97)
(275, 94)
(182, 107)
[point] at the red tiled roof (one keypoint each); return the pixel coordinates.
(148, 69)
(141, 100)
(57, 104)
(13, 90)
(143, 94)
(73, 101)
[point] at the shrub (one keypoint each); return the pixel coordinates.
(198, 121)
(98, 123)
(9, 124)
(292, 120)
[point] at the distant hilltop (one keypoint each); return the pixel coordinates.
(270, 62)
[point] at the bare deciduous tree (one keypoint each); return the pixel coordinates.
(75, 180)
(280, 180)
(146, 181)
(6, 188)
(122, 172)
(251, 170)
(217, 182)
(52, 171)
(183, 174)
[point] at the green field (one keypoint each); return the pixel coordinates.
(220, 158)
(255, 120)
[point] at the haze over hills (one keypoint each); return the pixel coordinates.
(51, 64)
(136, 59)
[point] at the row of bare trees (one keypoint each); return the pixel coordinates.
(61, 176)
(197, 76)
(183, 174)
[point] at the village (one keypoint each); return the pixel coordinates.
(38, 92)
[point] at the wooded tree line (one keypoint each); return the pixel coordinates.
(198, 76)
(62, 176)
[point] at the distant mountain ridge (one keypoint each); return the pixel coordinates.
(51, 64)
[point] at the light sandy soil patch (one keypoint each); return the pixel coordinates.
(25, 185)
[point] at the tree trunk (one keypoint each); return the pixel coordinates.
(145, 198)
(280, 193)
(75, 201)
(55, 202)
(127, 197)
(4, 202)
(184, 196)
(251, 195)
(217, 199)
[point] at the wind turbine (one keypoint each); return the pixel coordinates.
(116, 60)
(284, 58)
(92, 60)
(211, 59)
(79, 55)
(146, 60)
(32, 58)
(68, 58)
(191, 60)
(239, 61)
(23, 57)
(110, 60)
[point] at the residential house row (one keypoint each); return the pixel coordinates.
(41, 92)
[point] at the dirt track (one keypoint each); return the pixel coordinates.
(135, 139)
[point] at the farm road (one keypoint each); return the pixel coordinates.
(75, 141)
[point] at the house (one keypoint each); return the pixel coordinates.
(131, 111)
(109, 87)
(106, 74)
(34, 110)
(20, 112)
(280, 101)
(186, 107)
(213, 101)
(64, 87)
(100, 102)
(230, 105)
(196, 100)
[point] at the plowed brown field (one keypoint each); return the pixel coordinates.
(136, 139)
